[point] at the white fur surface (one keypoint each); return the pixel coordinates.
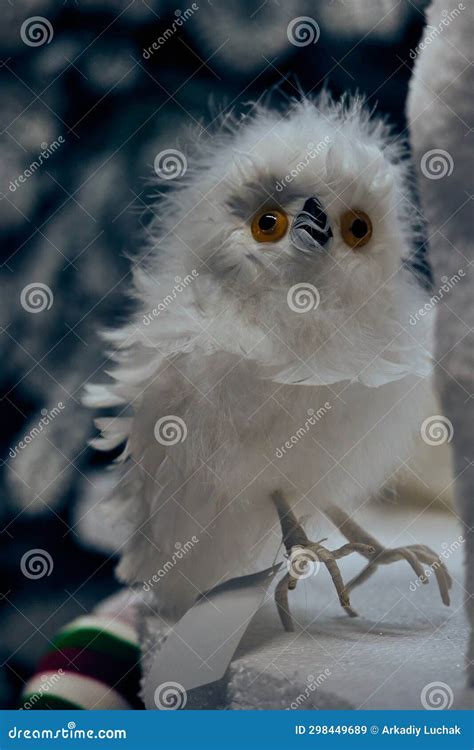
(229, 357)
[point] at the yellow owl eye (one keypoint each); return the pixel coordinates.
(356, 228)
(269, 226)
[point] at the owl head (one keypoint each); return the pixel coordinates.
(295, 228)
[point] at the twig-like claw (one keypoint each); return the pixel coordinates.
(301, 549)
(416, 555)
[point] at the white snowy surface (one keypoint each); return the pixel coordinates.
(402, 641)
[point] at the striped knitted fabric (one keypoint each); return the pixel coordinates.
(93, 663)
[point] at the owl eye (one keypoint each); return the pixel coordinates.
(269, 226)
(356, 228)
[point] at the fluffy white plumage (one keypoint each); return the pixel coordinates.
(224, 352)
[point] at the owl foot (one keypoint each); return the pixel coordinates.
(417, 555)
(303, 558)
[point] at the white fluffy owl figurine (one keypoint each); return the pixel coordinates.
(270, 372)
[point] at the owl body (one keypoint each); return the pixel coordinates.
(270, 349)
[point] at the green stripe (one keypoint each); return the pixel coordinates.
(97, 640)
(43, 702)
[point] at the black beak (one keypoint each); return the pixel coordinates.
(311, 229)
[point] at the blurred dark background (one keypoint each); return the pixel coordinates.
(69, 224)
